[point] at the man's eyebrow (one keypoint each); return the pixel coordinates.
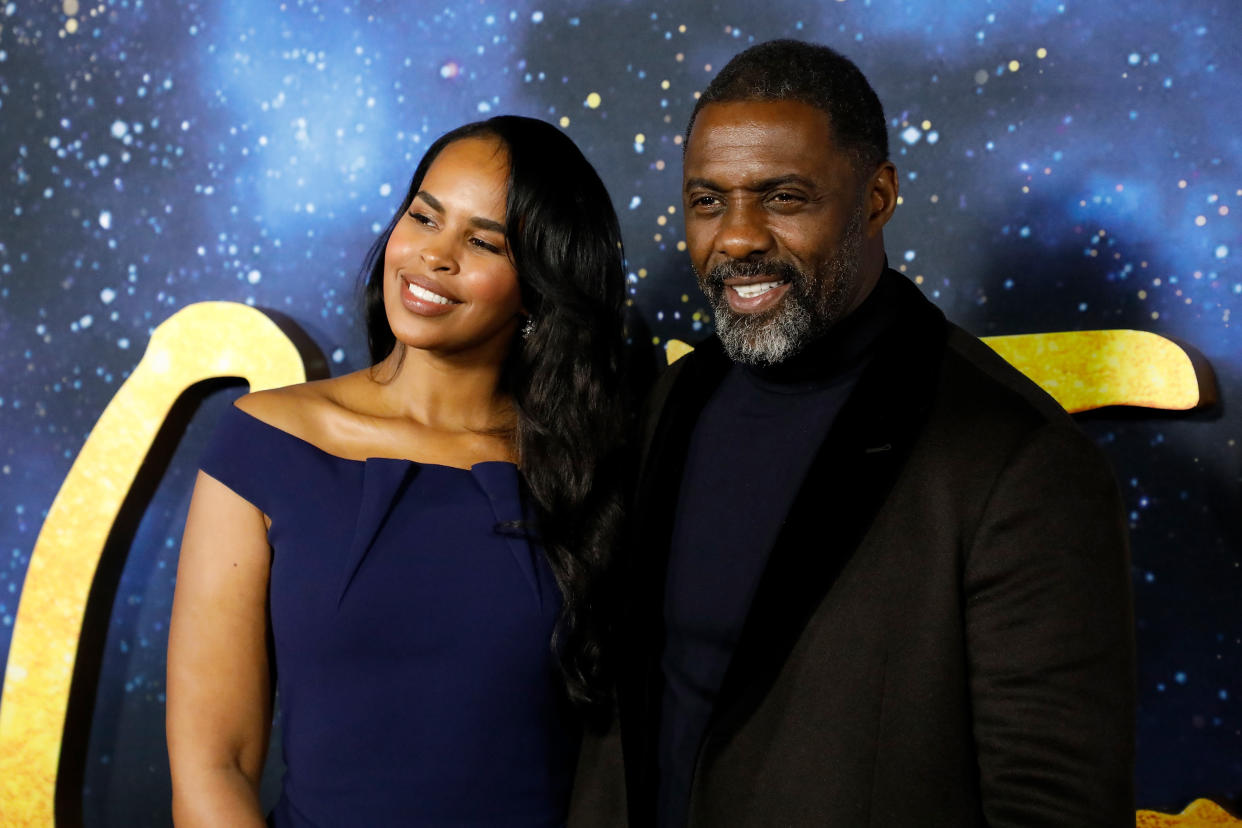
(782, 181)
(700, 183)
(754, 187)
(475, 221)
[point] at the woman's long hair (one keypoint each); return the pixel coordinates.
(565, 377)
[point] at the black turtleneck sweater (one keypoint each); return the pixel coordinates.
(750, 450)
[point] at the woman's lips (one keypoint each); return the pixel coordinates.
(424, 297)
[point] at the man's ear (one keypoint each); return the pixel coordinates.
(881, 197)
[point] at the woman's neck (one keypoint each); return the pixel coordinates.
(444, 392)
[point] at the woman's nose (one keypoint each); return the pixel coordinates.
(439, 256)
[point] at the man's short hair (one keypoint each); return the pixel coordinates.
(793, 70)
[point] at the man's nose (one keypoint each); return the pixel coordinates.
(743, 232)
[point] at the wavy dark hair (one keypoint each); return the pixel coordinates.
(565, 378)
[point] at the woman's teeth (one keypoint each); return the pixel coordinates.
(751, 291)
(426, 295)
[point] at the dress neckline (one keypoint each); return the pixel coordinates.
(324, 452)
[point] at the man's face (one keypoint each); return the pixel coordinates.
(774, 224)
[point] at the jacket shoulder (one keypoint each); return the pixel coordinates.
(985, 415)
(978, 376)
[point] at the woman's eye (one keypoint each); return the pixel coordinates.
(421, 218)
(483, 244)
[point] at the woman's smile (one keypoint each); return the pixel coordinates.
(426, 297)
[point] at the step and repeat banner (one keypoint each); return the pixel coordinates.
(1064, 167)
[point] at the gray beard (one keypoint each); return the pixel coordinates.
(765, 339)
(813, 304)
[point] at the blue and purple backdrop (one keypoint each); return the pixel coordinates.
(1064, 165)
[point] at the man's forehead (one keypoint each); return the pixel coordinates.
(782, 115)
(760, 140)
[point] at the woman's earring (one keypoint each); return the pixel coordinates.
(528, 327)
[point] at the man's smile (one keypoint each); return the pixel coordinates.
(756, 297)
(752, 290)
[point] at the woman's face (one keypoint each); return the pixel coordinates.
(449, 284)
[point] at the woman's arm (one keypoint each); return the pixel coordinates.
(219, 709)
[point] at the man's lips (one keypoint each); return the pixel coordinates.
(758, 278)
(750, 288)
(753, 286)
(755, 296)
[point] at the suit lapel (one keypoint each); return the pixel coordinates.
(846, 485)
(675, 406)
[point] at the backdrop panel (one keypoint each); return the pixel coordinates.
(1064, 166)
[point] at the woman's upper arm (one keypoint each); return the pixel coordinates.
(219, 683)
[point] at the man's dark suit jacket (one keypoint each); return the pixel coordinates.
(942, 635)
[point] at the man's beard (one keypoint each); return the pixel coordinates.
(813, 304)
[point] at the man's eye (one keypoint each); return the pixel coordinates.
(704, 201)
(784, 198)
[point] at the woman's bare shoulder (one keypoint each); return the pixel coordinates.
(306, 410)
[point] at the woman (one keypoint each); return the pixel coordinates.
(428, 534)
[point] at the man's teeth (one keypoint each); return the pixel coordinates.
(751, 291)
(428, 296)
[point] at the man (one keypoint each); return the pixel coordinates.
(878, 577)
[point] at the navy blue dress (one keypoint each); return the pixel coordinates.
(412, 630)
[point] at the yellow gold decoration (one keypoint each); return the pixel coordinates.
(1083, 370)
(202, 341)
(675, 350)
(1202, 813)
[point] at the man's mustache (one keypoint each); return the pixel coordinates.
(778, 269)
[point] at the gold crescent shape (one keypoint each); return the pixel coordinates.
(1202, 813)
(202, 341)
(1083, 370)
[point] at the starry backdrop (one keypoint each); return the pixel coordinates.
(1063, 166)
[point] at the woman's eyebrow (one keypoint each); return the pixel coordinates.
(487, 224)
(475, 221)
(432, 201)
